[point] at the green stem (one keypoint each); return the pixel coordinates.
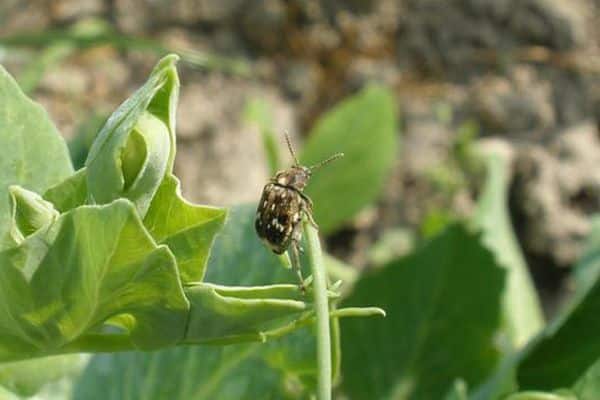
(321, 303)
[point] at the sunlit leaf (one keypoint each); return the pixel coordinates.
(279, 369)
(364, 128)
(34, 155)
(522, 310)
(136, 147)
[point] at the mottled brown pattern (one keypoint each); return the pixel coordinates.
(278, 216)
(282, 207)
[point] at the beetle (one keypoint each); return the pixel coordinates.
(283, 206)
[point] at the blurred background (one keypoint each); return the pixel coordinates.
(519, 75)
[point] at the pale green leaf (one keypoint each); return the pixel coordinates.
(458, 391)
(93, 263)
(364, 128)
(278, 369)
(26, 378)
(587, 386)
(136, 147)
(522, 310)
(188, 229)
(588, 268)
(34, 155)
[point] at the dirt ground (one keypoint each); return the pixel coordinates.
(525, 72)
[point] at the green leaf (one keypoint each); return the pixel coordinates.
(136, 147)
(587, 386)
(240, 258)
(570, 345)
(29, 213)
(94, 263)
(534, 395)
(278, 369)
(564, 350)
(458, 391)
(188, 229)
(522, 312)
(190, 373)
(70, 193)
(363, 127)
(443, 307)
(26, 378)
(34, 155)
(587, 269)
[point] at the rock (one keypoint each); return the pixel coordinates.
(263, 22)
(300, 79)
(555, 190)
(220, 157)
(66, 10)
(18, 16)
(517, 103)
(456, 37)
(136, 16)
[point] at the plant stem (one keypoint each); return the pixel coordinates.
(315, 257)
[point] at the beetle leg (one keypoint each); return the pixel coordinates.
(296, 266)
(308, 210)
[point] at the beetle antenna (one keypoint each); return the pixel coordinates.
(292, 152)
(326, 161)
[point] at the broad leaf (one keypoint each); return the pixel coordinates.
(33, 153)
(563, 351)
(587, 386)
(522, 311)
(70, 193)
(25, 378)
(192, 373)
(186, 228)
(571, 344)
(364, 128)
(93, 263)
(443, 307)
(279, 369)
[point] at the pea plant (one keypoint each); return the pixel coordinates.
(111, 257)
(181, 301)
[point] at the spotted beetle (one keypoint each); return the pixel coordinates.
(282, 206)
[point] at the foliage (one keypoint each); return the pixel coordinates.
(521, 308)
(281, 368)
(364, 129)
(430, 336)
(110, 258)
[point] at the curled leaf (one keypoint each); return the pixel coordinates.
(29, 213)
(237, 314)
(136, 147)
